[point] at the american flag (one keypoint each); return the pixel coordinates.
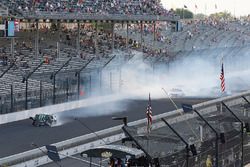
(222, 78)
(149, 115)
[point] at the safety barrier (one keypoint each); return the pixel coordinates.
(17, 116)
(76, 145)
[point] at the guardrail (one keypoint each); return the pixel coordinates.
(82, 143)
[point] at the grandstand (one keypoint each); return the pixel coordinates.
(78, 9)
(58, 36)
(70, 50)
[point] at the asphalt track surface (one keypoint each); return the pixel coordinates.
(18, 136)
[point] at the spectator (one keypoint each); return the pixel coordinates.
(209, 161)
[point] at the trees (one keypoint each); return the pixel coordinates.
(200, 16)
(222, 15)
(184, 13)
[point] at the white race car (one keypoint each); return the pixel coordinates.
(175, 93)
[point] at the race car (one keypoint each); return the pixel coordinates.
(176, 93)
(43, 120)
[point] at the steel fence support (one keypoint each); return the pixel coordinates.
(26, 94)
(181, 138)
(78, 39)
(90, 86)
(141, 36)
(110, 80)
(242, 132)
(53, 76)
(37, 40)
(154, 33)
(78, 84)
(78, 74)
(100, 79)
(25, 79)
(216, 139)
(54, 89)
(40, 94)
(113, 37)
(120, 79)
(127, 36)
(11, 99)
(67, 89)
(96, 37)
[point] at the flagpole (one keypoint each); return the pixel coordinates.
(149, 114)
(148, 122)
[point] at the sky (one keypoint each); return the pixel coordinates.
(235, 7)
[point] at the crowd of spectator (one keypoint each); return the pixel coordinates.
(220, 25)
(121, 7)
(193, 29)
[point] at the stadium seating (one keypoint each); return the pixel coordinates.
(122, 7)
(199, 37)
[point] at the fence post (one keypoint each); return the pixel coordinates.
(54, 89)
(110, 80)
(67, 89)
(90, 84)
(78, 84)
(100, 79)
(41, 89)
(26, 94)
(11, 98)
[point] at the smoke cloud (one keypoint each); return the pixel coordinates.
(195, 74)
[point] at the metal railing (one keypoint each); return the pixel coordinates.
(96, 17)
(4, 10)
